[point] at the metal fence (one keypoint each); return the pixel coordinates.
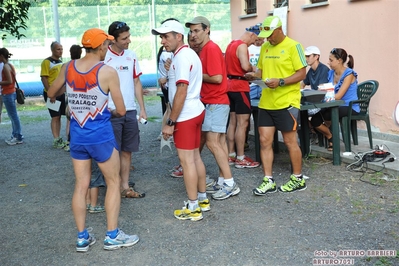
(73, 21)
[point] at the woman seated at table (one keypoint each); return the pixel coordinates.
(344, 79)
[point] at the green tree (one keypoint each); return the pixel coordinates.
(13, 17)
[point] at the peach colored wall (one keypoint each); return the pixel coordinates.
(366, 29)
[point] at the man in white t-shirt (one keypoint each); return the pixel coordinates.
(186, 117)
(126, 128)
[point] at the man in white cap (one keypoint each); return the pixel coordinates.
(217, 109)
(186, 116)
(282, 66)
(88, 83)
(318, 72)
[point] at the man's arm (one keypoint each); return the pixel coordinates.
(253, 75)
(242, 54)
(45, 82)
(58, 86)
(298, 76)
(44, 73)
(138, 92)
(178, 103)
(110, 77)
(217, 79)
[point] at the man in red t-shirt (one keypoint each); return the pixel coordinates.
(214, 97)
(237, 64)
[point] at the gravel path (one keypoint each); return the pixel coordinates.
(336, 212)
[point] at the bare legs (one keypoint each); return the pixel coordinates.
(56, 126)
(110, 170)
(194, 172)
(236, 132)
(266, 136)
(216, 143)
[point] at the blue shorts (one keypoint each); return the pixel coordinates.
(99, 152)
(126, 131)
(216, 117)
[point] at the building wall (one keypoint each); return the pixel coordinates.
(366, 29)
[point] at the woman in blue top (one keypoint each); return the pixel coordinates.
(344, 79)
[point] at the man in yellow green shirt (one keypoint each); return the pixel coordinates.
(282, 66)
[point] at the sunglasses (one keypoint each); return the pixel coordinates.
(120, 25)
(334, 51)
(267, 28)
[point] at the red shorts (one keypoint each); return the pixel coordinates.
(187, 135)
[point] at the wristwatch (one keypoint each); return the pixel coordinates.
(281, 83)
(169, 122)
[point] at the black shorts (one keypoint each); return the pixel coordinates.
(60, 98)
(325, 115)
(240, 102)
(284, 120)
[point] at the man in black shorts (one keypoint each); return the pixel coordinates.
(50, 68)
(237, 64)
(280, 102)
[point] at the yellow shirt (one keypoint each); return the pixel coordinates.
(281, 61)
(50, 68)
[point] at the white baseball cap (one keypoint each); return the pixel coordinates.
(169, 26)
(312, 50)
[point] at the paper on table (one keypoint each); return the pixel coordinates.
(325, 86)
(259, 82)
(330, 92)
(53, 106)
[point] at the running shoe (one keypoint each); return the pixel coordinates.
(205, 205)
(83, 244)
(210, 182)
(267, 186)
(58, 143)
(177, 173)
(213, 189)
(13, 141)
(246, 163)
(295, 184)
(232, 160)
(176, 167)
(121, 240)
(96, 209)
(226, 191)
(186, 214)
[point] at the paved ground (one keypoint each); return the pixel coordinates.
(337, 212)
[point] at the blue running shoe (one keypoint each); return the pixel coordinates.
(121, 240)
(83, 244)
